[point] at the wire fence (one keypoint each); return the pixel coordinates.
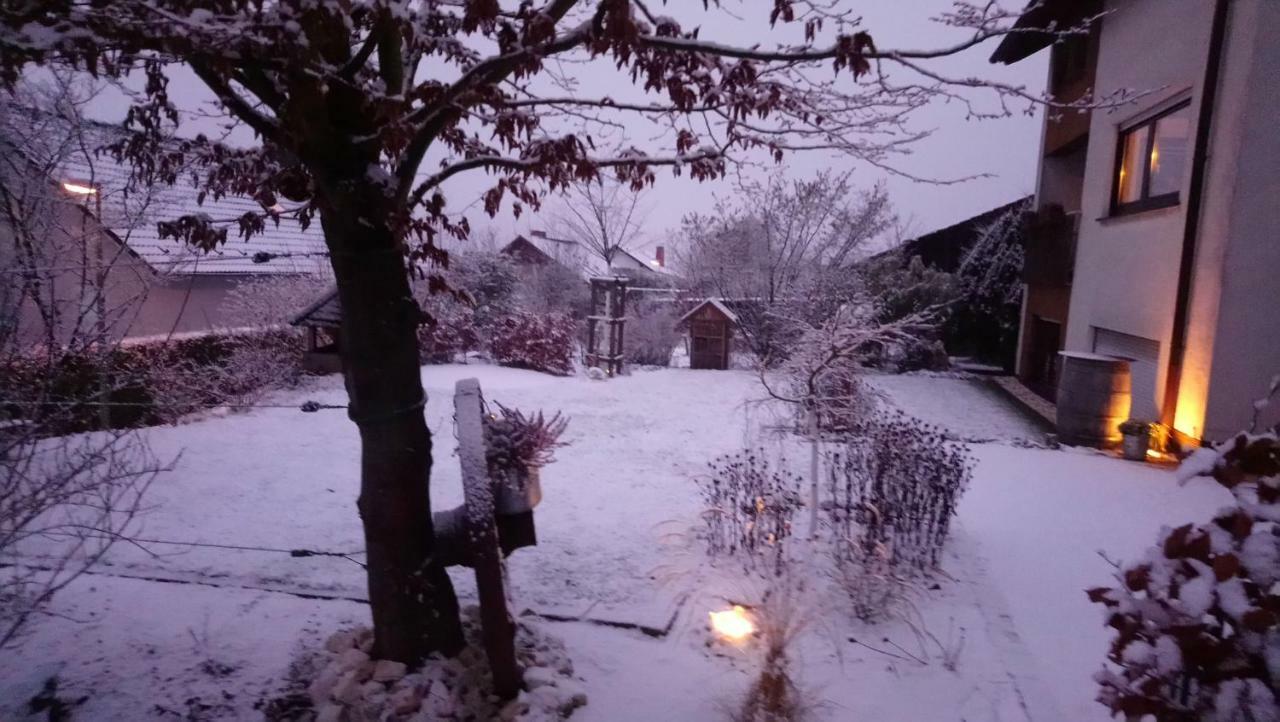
(296, 553)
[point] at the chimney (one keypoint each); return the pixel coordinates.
(660, 255)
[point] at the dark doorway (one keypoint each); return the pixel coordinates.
(1041, 374)
(707, 345)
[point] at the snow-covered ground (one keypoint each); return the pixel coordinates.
(616, 546)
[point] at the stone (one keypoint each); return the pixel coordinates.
(535, 677)
(514, 709)
(340, 642)
(348, 689)
(350, 659)
(364, 672)
(329, 712)
(546, 698)
(579, 699)
(364, 640)
(374, 704)
(388, 671)
(439, 705)
(415, 682)
(322, 686)
(404, 701)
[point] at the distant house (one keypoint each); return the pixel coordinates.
(539, 248)
(1156, 233)
(151, 286)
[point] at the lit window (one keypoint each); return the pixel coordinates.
(1151, 161)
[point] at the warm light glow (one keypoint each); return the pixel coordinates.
(654, 263)
(1189, 418)
(78, 189)
(733, 624)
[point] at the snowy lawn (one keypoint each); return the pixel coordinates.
(615, 546)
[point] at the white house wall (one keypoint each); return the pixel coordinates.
(1129, 264)
(1234, 346)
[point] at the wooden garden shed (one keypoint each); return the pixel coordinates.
(322, 320)
(710, 327)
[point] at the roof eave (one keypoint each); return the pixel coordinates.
(1029, 35)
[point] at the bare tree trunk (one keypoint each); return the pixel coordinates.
(414, 607)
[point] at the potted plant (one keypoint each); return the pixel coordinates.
(1136, 439)
(516, 448)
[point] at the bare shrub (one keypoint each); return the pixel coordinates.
(874, 588)
(775, 696)
(749, 509)
(893, 488)
(651, 334)
(64, 293)
(843, 400)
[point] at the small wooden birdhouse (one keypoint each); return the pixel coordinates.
(710, 327)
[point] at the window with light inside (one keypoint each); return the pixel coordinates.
(1151, 161)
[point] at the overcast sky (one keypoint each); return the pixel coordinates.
(1004, 149)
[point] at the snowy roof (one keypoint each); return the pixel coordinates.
(574, 255)
(718, 304)
(324, 312)
(132, 217)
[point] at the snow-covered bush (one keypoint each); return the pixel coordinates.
(553, 288)
(449, 330)
(187, 375)
(893, 487)
(490, 280)
(271, 300)
(907, 291)
(154, 382)
(1197, 620)
(538, 342)
(651, 334)
(984, 320)
(749, 508)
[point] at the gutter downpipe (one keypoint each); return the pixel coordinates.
(1195, 197)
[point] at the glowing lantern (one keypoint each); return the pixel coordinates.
(79, 189)
(733, 624)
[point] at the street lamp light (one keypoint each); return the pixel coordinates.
(97, 290)
(79, 189)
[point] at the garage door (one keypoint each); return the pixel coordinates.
(1144, 355)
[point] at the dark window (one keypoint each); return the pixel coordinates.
(1069, 61)
(1151, 160)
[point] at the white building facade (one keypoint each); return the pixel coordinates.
(1159, 221)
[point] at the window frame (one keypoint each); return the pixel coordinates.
(1145, 201)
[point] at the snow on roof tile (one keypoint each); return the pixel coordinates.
(719, 306)
(132, 216)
